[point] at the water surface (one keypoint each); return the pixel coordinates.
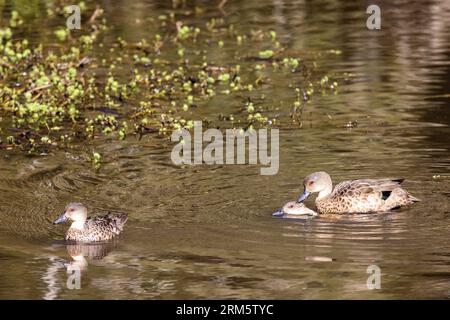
(206, 231)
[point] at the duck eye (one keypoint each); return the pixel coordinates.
(311, 183)
(71, 209)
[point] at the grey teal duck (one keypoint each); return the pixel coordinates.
(84, 229)
(355, 196)
(294, 208)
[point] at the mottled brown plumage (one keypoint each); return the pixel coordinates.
(356, 196)
(102, 228)
(98, 228)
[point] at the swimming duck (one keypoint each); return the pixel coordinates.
(93, 229)
(294, 208)
(355, 196)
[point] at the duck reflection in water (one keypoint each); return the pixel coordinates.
(81, 253)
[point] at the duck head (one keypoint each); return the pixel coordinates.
(316, 182)
(295, 208)
(75, 212)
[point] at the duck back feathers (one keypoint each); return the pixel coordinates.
(365, 196)
(102, 228)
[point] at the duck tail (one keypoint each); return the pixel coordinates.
(399, 197)
(119, 219)
(387, 184)
(122, 218)
(399, 181)
(406, 194)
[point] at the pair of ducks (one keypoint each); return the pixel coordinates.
(354, 196)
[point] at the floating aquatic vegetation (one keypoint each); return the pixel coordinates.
(84, 88)
(96, 159)
(15, 20)
(266, 54)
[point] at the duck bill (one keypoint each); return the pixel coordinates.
(278, 213)
(304, 196)
(61, 219)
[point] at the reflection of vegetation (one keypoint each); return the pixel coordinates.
(54, 95)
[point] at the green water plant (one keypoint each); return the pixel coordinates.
(82, 86)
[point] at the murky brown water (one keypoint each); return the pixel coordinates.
(206, 231)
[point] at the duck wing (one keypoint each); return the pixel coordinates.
(90, 250)
(107, 226)
(117, 220)
(364, 195)
(369, 195)
(365, 187)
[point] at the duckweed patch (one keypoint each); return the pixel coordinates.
(79, 86)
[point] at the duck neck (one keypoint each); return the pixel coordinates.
(79, 225)
(325, 192)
